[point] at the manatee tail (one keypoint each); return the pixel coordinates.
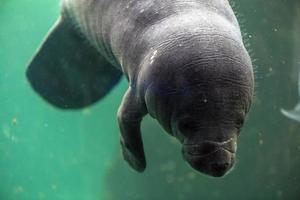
(68, 72)
(292, 114)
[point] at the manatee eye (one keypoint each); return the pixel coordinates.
(187, 125)
(239, 123)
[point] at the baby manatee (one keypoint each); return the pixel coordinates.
(185, 62)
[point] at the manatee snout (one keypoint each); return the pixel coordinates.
(210, 157)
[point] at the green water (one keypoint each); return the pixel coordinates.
(46, 153)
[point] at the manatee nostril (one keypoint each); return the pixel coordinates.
(207, 148)
(219, 167)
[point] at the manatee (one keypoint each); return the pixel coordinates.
(185, 62)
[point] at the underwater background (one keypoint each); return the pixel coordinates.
(47, 153)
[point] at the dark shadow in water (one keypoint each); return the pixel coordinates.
(268, 156)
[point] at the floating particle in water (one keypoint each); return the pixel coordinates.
(14, 121)
(279, 193)
(14, 139)
(191, 175)
(260, 139)
(6, 132)
(54, 187)
(270, 69)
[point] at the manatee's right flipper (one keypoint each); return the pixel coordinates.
(130, 115)
(68, 72)
(292, 114)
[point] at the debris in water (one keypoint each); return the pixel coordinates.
(14, 121)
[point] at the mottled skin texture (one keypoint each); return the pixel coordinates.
(186, 65)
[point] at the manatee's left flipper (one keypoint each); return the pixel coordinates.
(130, 115)
(68, 72)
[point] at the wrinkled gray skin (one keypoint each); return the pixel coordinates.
(187, 67)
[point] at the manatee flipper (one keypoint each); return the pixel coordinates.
(68, 72)
(292, 114)
(130, 115)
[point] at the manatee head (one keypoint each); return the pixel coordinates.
(215, 90)
(215, 97)
(203, 101)
(202, 85)
(208, 121)
(205, 107)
